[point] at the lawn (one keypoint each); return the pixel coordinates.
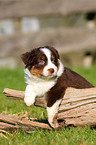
(67, 136)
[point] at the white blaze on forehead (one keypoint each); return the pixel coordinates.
(47, 52)
(49, 65)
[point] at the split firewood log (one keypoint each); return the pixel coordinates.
(78, 107)
(14, 122)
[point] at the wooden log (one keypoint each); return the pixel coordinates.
(6, 126)
(16, 8)
(77, 108)
(19, 95)
(10, 122)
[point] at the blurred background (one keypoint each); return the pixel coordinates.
(67, 25)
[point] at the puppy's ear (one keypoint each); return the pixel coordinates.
(26, 58)
(29, 58)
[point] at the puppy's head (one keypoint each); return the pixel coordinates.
(42, 61)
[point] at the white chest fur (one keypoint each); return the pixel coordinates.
(39, 86)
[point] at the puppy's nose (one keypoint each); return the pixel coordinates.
(51, 70)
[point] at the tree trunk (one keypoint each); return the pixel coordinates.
(78, 108)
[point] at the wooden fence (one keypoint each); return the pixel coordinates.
(20, 8)
(64, 39)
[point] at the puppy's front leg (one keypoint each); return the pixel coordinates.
(29, 96)
(52, 112)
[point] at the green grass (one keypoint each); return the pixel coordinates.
(67, 136)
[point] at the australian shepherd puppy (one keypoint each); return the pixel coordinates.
(46, 76)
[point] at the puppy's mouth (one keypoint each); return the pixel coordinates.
(51, 76)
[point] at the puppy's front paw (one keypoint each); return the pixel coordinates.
(29, 101)
(29, 95)
(54, 124)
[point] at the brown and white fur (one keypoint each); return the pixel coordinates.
(46, 76)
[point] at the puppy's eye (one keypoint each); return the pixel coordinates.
(42, 62)
(53, 60)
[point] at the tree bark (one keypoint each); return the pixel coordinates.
(78, 108)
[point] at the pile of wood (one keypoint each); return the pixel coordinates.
(78, 108)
